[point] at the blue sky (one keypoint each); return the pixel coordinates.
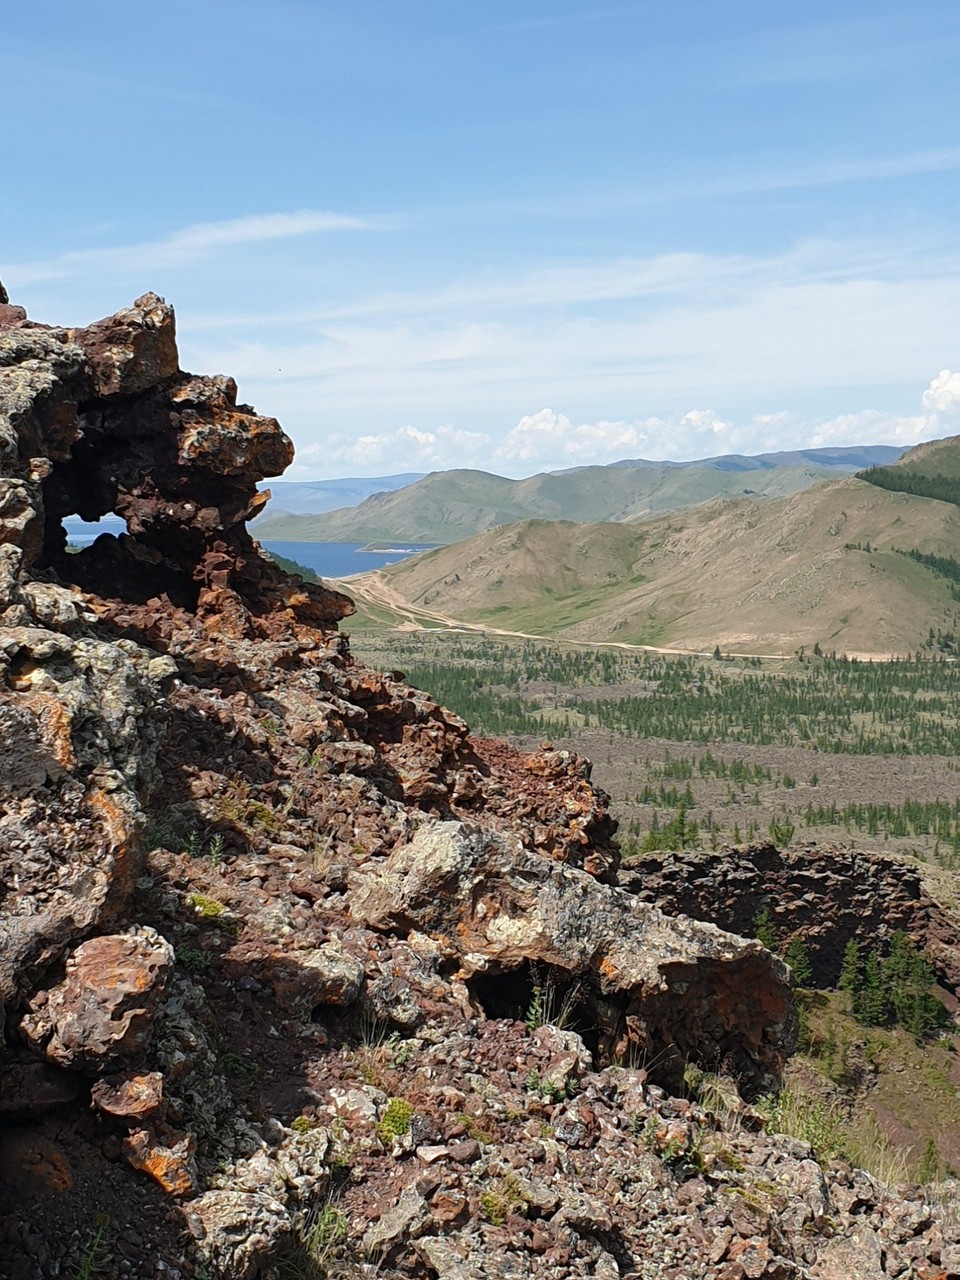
(518, 235)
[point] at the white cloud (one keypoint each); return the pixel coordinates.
(623, 339)
(406, 448)
(186, 246)
(941, 400)
(549, 440)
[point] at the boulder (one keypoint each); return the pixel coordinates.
(101, 1013)
(674, 989)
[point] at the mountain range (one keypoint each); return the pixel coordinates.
(446, 506)
(827, 566)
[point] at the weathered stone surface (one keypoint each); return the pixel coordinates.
(102, 1010)
(131, 1098)
(240, 1232)
(403, 1221)
(692, 992)
(11, 317)
(133, 350)
(335, 977)
(168, 1158)
(828, 894)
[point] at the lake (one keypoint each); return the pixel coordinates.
(328, 559)
(341, 559)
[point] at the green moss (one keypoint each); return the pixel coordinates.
(395, 1121)
(207, 907)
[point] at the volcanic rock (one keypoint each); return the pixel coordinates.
(101, 1012)
(683, 990)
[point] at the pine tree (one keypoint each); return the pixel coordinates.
(851, 978)
(873, 1007)
(798, 958)
(764, 928)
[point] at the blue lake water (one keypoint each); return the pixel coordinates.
(341, 559)
(328, 559)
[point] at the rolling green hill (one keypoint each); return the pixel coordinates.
(446, 506)
(824, 566)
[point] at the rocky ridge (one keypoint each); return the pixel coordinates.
(283, 949)
(823, 894)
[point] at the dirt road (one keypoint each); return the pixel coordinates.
(373, 589)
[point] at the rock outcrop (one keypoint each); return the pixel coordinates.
(654, 988)
(825, 894)
(283, 948)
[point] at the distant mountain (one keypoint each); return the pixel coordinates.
(315, 496)
(846, 458)
(825, 566)
(446, 506)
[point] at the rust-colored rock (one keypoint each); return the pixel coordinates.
(132, 350)
(101, 1012)
(168, 1158)
(11, 317)
(131, 1098)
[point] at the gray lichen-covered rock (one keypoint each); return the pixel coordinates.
(80, 720)
(683, 990)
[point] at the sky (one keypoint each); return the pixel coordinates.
(518, 235)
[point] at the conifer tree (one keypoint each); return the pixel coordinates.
(764, 928)
(798, 958)
(872, 1006)
(851, 978)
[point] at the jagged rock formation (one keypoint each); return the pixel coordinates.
(281, 944)
(665, 988)
(825, 894)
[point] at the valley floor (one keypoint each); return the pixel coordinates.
(873, 1095)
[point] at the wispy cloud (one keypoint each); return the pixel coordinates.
(189, 244)
(878, 169)
(663, 279)
(605, 203)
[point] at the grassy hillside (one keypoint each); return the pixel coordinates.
(819, 567)
(930, 470)
(934, 457)
(447, 506)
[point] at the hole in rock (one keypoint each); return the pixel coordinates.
(111, 527)
(537, 994)
(81, 533)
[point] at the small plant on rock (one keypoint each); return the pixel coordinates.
(502, 1199)
(549, 1006)
(194, 959)
(240, 1065)
(92, 1261)
(395, 1121)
